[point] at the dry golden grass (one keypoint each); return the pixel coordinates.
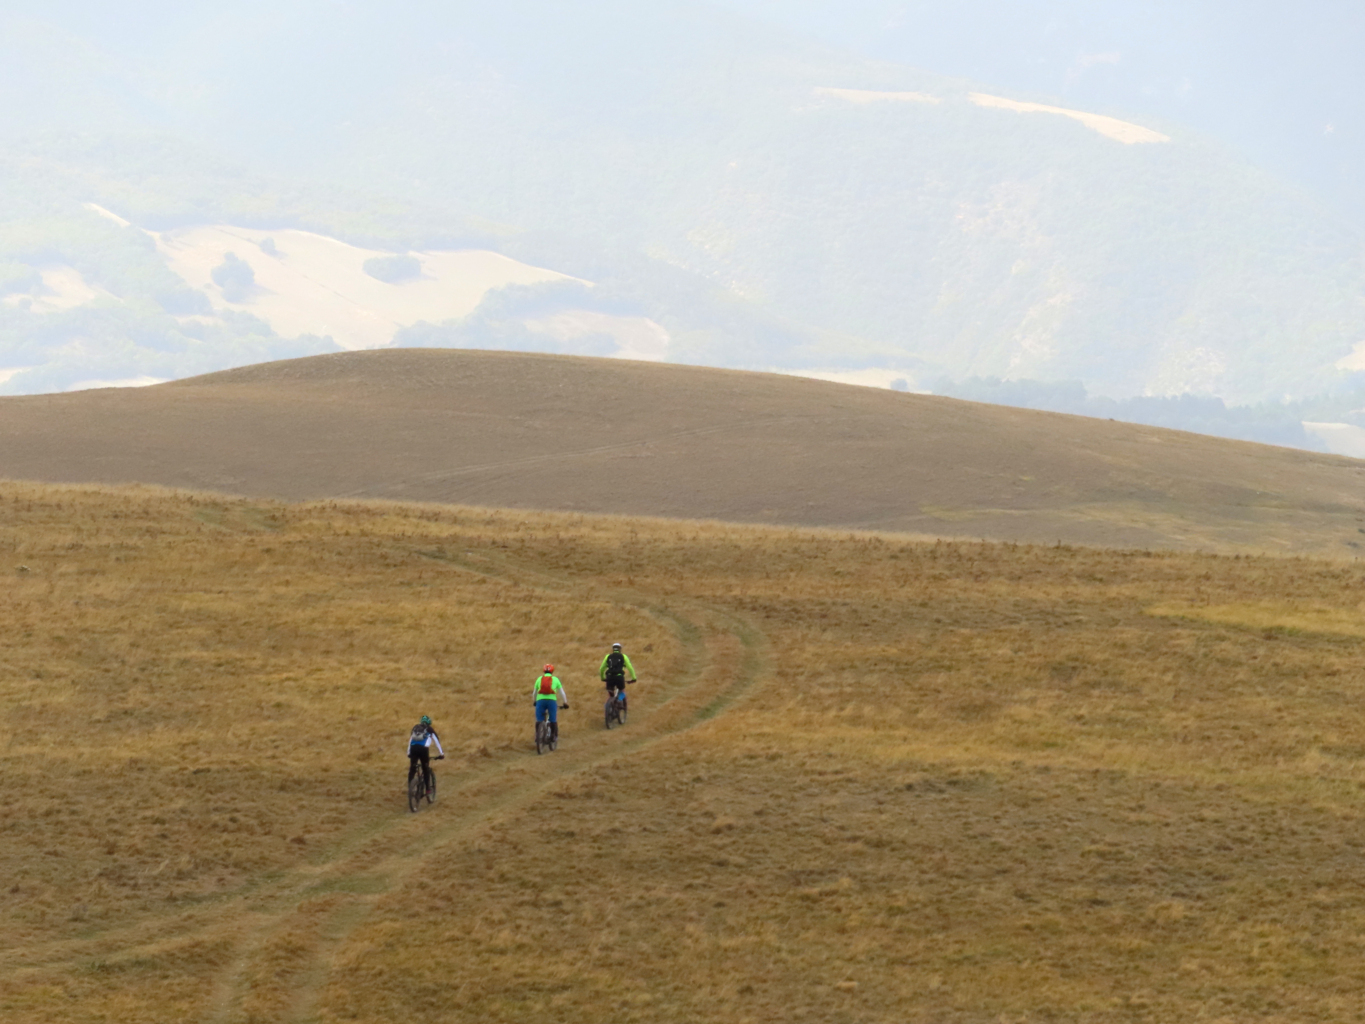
(1296, 616)
(527, 431)
(864, 779)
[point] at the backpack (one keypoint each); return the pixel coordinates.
(616, 665)
(547, 686)
(419, 735)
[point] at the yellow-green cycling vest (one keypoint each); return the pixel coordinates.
(556, 690)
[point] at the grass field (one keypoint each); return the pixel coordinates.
(574, 434)
(865, 779)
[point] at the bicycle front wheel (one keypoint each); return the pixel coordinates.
(431, 790)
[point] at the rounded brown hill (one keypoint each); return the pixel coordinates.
(600, 435)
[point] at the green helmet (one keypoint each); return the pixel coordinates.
(426, 719)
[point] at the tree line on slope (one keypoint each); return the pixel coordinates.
(1278, 423)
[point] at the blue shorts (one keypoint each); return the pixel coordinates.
(547, 709)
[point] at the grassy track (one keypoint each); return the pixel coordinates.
(865, 779)
(280, 929)
(307, 918)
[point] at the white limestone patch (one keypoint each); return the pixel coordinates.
(127, 382)
(1110, 127)
(1354, 361)
(896, 380)
(62, 287)
(1340, 438)
(107, 214)
(311, 284)
(637, 337)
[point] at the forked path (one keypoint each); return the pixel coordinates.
(287, 935)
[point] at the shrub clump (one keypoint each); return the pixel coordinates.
(393, 269)
(235, 277)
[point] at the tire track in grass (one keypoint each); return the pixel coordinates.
(285, 926)
(333, 933)
(283, 962)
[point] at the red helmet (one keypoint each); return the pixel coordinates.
(549, 669)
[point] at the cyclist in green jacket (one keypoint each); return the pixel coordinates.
(546, 693)
(613, 671)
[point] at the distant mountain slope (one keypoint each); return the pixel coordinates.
(594, 435)
(1284, 85)
(666, 149)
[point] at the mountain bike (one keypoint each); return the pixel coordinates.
(614, 711)
(417, 790)
(547, 736)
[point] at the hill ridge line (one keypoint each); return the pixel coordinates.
(515, 430)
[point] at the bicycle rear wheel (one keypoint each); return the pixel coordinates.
(607, 715)
(415, 792)
(540, 737)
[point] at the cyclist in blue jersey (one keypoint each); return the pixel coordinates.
(546, 694)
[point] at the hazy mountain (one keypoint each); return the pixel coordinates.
(1282, 83)
(770, 200)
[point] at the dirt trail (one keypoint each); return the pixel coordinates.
(282, 967)
(284, 931)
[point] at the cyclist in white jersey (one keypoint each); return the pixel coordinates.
(419, 750)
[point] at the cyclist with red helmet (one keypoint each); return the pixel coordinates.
(546, 694)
